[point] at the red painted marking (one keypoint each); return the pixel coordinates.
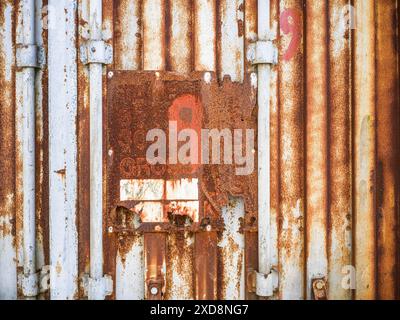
(187, 112)
(291, 24)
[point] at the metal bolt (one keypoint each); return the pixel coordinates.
(110, 229)
(154, 291)
(157, 228)
(110, 74)
(319, 285)
(208, 228)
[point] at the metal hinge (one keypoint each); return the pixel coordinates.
(36, 283)
(264, 285)
(263, 52)
(97, 289)
(30, 56)
(96, 51)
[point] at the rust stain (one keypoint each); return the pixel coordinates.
(387, 131)
(300, 90)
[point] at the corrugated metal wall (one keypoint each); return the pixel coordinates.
(334, 144)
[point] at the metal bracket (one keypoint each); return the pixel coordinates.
(30, 56)
(155, 289)
(37, 283)
(96, 51)
(266, 284)
(319, 288)
(263, 52)
(44, 279)
(30, 285)
(95, 288)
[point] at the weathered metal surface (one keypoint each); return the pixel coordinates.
(339, 175)
(167, 192)
(63, 157)
(365, 150)
(316, 53)
(334, 123)
(387, 153)
(291, 153)
(8, 275)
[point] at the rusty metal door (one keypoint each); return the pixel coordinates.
(91, 88)
(180, 231)
(184, 210)
(332, 127)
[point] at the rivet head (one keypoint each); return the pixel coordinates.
(110, 74)
(319, 285)
(154, 291)
(110, 229)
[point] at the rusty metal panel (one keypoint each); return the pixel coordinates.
(291, 151)
(8, 274)
(387, 133)
(334, 123)
(339, 175)
(316, 53)
(165, 194)
(365, 150)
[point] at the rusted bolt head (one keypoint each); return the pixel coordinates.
(157, 228)
(110, 74)
(319, 284)
(154, 291)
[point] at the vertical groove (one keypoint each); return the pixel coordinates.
(387, 148)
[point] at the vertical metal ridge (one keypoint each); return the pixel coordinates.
(340, 217)
(128, 35)
(179, 45)
(316, 141)
(83, 148)
(364, 152)
(42, 174)
(231, 44)
(205, 35)
(291, 97)
(8, 266)
(387, 149)
(154, 28)
(63, 151)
